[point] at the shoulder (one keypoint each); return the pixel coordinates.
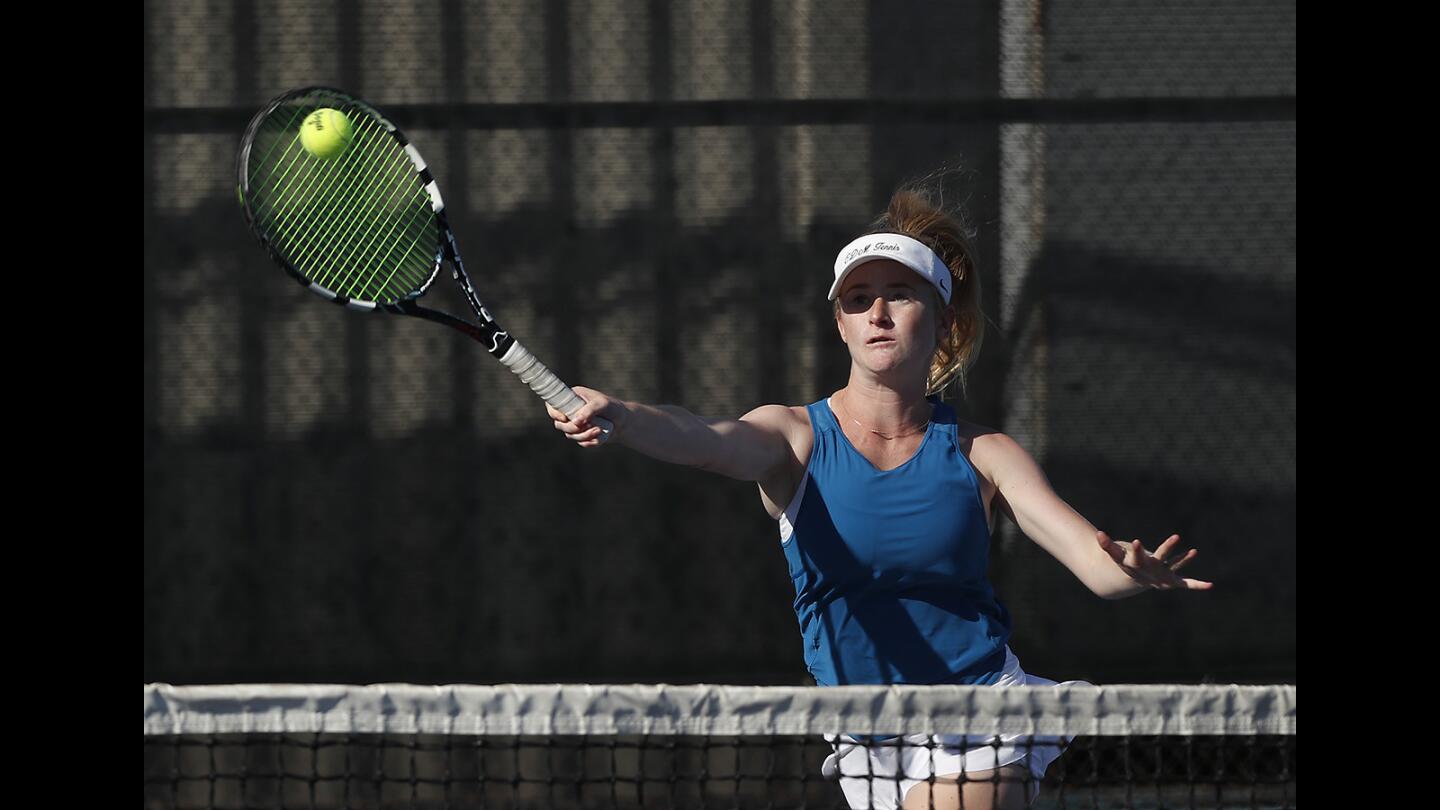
(778, 414)
(993, 453)
(783, 418)
(1006, 463)
(790, 421)
(976, 434)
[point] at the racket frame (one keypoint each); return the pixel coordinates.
(487, 331)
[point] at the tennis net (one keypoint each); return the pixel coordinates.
(584, 746)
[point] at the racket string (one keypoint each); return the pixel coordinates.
(335, 240)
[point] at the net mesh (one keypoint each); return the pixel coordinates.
(716, 746)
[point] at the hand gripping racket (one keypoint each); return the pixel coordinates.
(366, 227)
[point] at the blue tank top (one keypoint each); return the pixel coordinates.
(890, 567)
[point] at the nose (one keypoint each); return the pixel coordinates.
(879, 311)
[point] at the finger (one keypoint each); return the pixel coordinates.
(589, 410)
(588, 396)
(555, 413)
(1166, 547)
(1184, 561)
(1198, 585)
(1135, 554)
(570, 429)
(1110, 547)
(607, 427)
(592, 437)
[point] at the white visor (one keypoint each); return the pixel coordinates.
(897, 247)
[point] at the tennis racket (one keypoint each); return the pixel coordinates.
(366, 228)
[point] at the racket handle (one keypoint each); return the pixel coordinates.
(552, 389)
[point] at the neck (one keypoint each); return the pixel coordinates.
(885, 411)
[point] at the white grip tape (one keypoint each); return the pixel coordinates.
(543, 381)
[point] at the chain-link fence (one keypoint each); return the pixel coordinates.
(650, 194)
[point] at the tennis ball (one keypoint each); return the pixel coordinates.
(326, 133)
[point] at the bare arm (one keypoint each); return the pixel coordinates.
(1110, 569)
(748, 449)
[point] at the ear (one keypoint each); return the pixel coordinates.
(945, 322)
(840, 326)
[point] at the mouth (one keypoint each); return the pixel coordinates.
(877, 340)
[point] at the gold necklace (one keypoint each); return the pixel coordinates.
(890, 436)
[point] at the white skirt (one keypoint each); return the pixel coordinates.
(877, 774)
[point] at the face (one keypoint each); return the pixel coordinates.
(891, 318)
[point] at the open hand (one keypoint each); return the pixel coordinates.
(1157, 570)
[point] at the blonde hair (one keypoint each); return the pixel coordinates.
(917, 211)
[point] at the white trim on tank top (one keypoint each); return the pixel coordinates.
(792, 511)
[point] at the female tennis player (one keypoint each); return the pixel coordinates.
(886, 503)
